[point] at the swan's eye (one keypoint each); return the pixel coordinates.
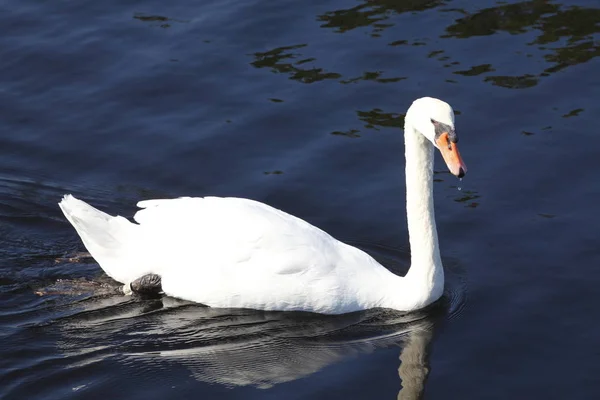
(443, 129)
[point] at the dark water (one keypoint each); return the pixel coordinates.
(300, 105)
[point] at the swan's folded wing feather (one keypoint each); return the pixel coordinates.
(231, 252)
(232, 233)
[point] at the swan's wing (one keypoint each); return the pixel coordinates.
(230, 252)
(228, 234)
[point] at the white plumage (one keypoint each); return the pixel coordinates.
(232, 252)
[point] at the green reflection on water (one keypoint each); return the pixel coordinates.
(351, 133)
(159, 20)
(560, 36)
(280, 60)
(573, 113)
(372, 76)
(572, 28)
(372, 13)
(466, 197)
(378, 118)
(513, 82)
(374, 119)
(283, 60)
(476, 70)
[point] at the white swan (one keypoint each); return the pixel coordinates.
(239, 253)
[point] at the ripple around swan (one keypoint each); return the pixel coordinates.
(231, 347)
(397, 260)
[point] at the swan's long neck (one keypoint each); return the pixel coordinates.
(426, 272)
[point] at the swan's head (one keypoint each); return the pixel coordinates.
(434, 119)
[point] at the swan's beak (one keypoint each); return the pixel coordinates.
(449, 151)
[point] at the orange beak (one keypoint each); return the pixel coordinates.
(451, 155)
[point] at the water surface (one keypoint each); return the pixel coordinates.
(300, 105)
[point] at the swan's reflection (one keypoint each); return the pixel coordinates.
(243, 347)
(414, 362)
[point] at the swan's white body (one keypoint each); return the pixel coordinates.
(232, 252)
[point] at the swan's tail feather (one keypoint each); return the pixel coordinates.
(106, 237)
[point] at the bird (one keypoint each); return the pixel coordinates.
(230, 252)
